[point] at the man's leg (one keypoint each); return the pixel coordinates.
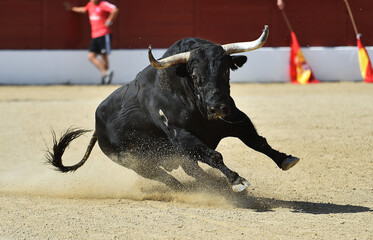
(100, 65)
(105, 61)
(101, 46)
(109, 73)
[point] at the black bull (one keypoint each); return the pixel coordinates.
(180, 106)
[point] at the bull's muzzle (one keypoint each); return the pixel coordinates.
(218, 111)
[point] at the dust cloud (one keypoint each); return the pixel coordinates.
(103, 179)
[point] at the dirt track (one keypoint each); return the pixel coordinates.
(328, 195)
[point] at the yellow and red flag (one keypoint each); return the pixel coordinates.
(300, 71)
(364, 61)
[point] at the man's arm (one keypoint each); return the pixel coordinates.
(113, 15)
(68, 7)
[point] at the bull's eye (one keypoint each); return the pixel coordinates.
(196, 79)
(194, 76)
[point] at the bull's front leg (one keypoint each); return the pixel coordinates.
(243, 128)
(188, 144)
(237, 182)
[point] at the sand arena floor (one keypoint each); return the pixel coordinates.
(328, 195)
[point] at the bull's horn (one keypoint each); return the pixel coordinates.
(247, 46)
(168, 61)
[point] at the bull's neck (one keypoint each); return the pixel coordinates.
(170, 83)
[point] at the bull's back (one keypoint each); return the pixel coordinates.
(124, 116)
(126, 103)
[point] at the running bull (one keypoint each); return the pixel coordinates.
(180, 106)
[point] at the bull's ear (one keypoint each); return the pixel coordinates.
(238, 61)
(181, 70)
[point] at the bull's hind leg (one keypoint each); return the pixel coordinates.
(146, 168)
(192, 168)
(158, 174)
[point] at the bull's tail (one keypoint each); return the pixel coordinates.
(54, 156)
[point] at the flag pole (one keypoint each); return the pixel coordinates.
(352, 17)
(286, 20)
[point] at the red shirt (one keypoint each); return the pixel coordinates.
(98, 14)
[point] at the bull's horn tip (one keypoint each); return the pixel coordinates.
(150, 47)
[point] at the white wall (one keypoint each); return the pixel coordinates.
(263, 65)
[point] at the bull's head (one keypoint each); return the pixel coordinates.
(209, 67)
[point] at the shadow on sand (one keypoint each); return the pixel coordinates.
(219, 185)
(261, 204)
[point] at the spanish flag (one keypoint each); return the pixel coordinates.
(365, 65)
(300, 71)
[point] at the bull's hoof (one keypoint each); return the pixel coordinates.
(289, 162)
(240, 184)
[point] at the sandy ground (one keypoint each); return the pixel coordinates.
(328, 195)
